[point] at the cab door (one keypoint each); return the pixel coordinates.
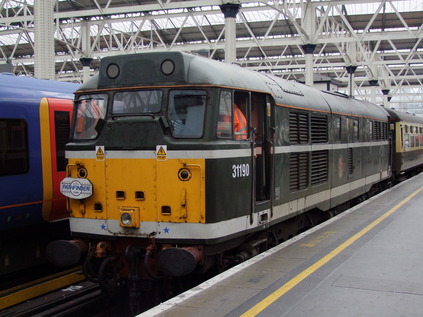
(263, 149)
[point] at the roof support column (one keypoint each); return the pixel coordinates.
(85, 45)
(373, 83)
(308, 52)
(86, 62)
(44, 67)
(230, 10)
(386, 99)
(351, 70)
(308, 21)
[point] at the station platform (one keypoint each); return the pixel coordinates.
(367, 261)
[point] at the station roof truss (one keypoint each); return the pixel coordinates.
(384, 39)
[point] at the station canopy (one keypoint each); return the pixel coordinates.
(383, 39)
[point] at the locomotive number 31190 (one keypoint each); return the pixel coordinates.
(240, 170)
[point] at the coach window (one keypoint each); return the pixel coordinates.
(411, 138)
(406, 143)
(90, 109)
(14, 157)
(186, 112)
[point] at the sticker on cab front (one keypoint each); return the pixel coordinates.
(76, 188)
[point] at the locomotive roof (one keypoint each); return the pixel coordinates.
(146, 69)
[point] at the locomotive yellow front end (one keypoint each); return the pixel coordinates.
(134, 193)
(124, 181)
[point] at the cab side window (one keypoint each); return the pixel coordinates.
(232, 121)
(224, 123)
(240, 116)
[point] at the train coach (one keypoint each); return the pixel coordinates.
(35, 118)
(179, 163)
(407, 144)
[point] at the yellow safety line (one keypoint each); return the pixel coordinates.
(259, 307)
(13, 298)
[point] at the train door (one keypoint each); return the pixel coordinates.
(55, 115)
(263, 149)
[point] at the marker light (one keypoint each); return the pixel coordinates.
(168, 67)
(82, 172)
(113, 71)
(184, 174)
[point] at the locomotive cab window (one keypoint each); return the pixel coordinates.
(240, 116)
(89, 110)
(137, 102)
(224, 125)
(233, 119)
(186, 112)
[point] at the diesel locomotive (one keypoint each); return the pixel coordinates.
(161, 183)
(35, 117)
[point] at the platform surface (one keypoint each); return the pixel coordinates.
(367, 261)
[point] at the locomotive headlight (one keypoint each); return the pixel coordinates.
(126, 219)
(130, 217)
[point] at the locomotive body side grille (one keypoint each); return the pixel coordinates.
(298, 171)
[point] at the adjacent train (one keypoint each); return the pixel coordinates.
(161, 182)
(35, 117)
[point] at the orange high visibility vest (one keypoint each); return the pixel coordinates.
(240, 123)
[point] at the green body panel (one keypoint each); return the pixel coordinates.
(227, 197)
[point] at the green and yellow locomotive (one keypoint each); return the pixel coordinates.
(178, 163)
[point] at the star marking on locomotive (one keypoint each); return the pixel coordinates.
(103, 226)
(166, 230)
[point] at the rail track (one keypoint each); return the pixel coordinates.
(63, 294)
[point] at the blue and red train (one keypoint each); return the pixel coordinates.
(35, 117)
